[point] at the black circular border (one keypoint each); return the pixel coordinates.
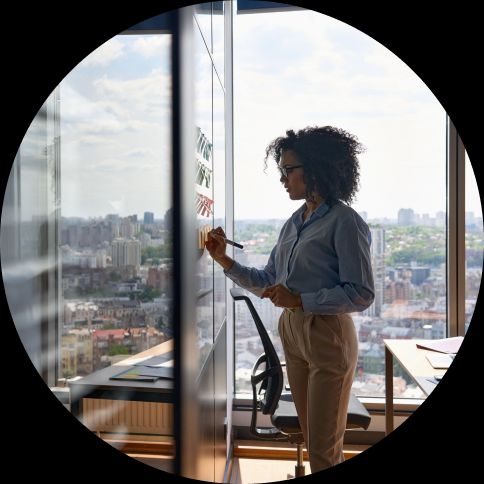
(41, 44)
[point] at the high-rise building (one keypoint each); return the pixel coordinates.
(149, 218)
(419, 275)
(168, 219)
(126, 252)
(377, 251)
(440, 219)
(145, 240)
(127, 228)
(406, 217)
(160, 278)
(73, 235)
(427, 221)
(469, 218)
(112, 217)
(404, 290)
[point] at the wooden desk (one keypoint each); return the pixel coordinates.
(413, 361)
(99, 385)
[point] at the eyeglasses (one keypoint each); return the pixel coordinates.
(287, 170)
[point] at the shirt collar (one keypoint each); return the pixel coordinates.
(318, 213)
(322, 209)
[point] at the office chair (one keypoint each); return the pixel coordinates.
(272, 401)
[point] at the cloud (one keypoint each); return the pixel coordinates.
(304, 68)
(116, 108)
(144, 95)
(139, 153)
(151, 46)
(307, 59)
(298, 69)
(105, 54)
(117, 205)
(89, 140)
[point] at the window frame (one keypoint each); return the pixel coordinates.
(455, 231)
(456, 264)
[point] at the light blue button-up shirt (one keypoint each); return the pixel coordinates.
(325, 259)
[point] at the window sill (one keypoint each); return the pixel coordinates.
(403, 408)
(374, 405)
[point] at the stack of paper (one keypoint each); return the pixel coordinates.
(144, 373)
(446, 345)
(440, 361)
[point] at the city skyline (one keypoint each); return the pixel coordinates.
(367, 216)
(117, 288)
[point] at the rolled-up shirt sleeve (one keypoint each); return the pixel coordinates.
(252, 279)
(355, 292)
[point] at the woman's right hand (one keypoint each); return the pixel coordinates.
(216, 244)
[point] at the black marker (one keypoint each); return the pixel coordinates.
(231, 242)
(228, 241)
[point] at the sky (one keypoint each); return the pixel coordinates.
(115, 130)
(304, 69)
(292, 70)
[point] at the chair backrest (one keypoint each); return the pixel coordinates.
(272, 378)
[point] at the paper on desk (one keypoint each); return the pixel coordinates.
(167, 364)
(134, 373)
(157, 361)
(159, 372)
(446, 345)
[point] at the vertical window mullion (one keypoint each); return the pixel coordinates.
(455, 232)
(184, 249)
(229, 13)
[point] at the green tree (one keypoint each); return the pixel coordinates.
(160, 323)
(156, 253)
(114, 276)
(149, 293)
(117, 349)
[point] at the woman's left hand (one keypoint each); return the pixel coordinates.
(282, 297)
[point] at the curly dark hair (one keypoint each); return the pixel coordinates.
(329, 156)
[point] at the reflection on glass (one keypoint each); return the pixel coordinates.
(204, 190)
(219, 197)
(203, 22)
(29, 237)
(115, 238)
(474, 242)
(86, 226)
(218, 31)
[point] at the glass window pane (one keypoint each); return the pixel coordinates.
(204, 192)
(89, 228)
(218, 31)
(116, 194)
(324, 72)
(203, 22)
(219, 196)
(474, 242)
(28, 237)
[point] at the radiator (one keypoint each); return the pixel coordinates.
(119, 416)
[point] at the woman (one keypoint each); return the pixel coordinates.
(319, 272)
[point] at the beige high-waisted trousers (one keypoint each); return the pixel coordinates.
(321, 354)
